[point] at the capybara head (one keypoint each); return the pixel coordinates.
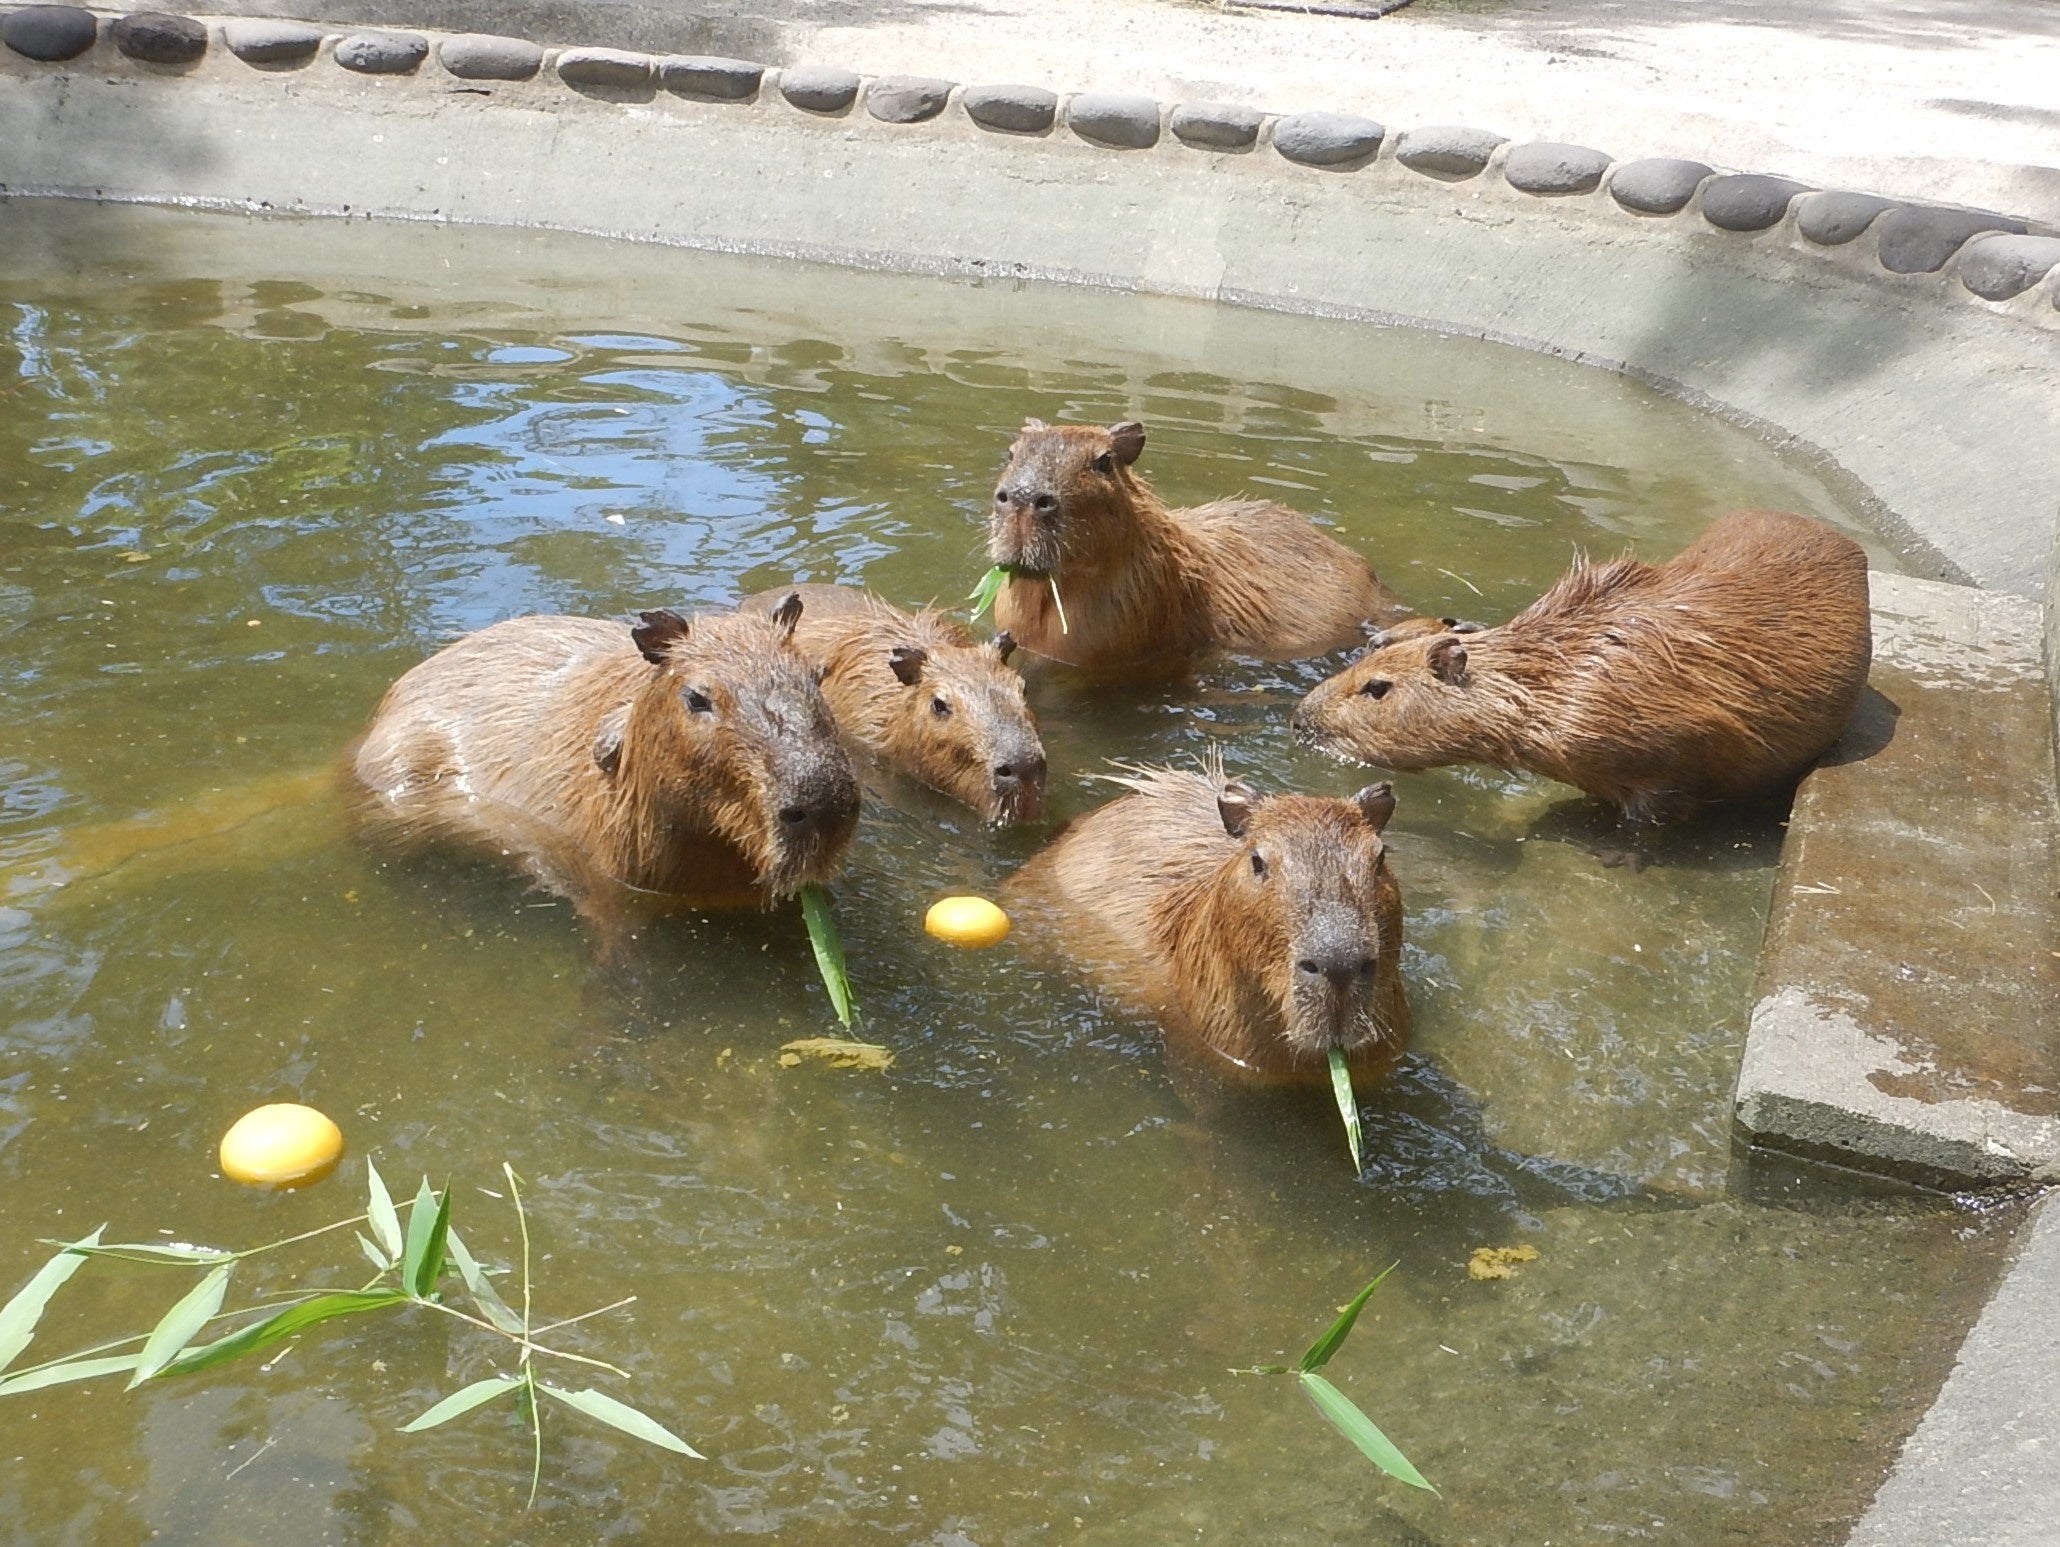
(1064, 495)
(962, 725)
(1309, 909)
(1414, 703)
(732, 728)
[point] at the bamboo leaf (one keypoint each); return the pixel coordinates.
(621, 1415)
(429, 1225)
(157, 1251)
(461, 1402)
(19, 1316)
(281, 1325)
(1360, 1430)
(1321, 1351)
(379, 1213)
(482, 1288)
(829, 948)
(984, 593)
(69, 1370)
(182, 1323)
(374, 1254)
(1348, 1107)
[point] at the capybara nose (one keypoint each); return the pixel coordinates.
(1343, 973)
(1019, 770)
(793, 816)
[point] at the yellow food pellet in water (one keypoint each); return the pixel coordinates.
(282, 1145)
(967, 921)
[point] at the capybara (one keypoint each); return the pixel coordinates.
(1139, 585)
(1718, 675)
(1262, 930)
(693, 759)
(915, 692)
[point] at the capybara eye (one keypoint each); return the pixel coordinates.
(698, 702)
(1376, 688)
(1105, 463)
(1258, 864)
(1001, 497)
(939, 708)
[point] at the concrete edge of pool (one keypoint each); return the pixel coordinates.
(1908, 349)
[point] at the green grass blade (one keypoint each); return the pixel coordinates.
(1058, 602)
(18, 1317)
(491, 1305)
(620, 1415)
(1348, 1106)
(281, 1325)
(829, 948)
(182, 1323)
(69, 1370)
(984, 593)
(1360, 1430)
(429, 1225)
(1321, 1351)
(379, 1213)
(459, 1403)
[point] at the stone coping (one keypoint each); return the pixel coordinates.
(1995, 257)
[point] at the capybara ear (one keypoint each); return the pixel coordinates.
(1034, 424)
(907, 663)
(1234, 804)
(1376, 803)
(1461, 626)
(1448, 661)
(1127, 441)
(658, 633)
(787, 614)
(608, 749)
(1004, 646)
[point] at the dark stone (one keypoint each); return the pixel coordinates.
(271, 42)
(1833, 219)
(906, 99)
(1327, 139)
(49, 32)
(156, 38)
(1998, 267)
(1216, 125)
(1014, 109)
(1917, 239)
(479, 56)
(604, 67)
(1114, 118)
(1547, 168)
(382, 53)
(818, 90)
(1656, 186)
(1446, 151)
(704, 75)
(1748, 201)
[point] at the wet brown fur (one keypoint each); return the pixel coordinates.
(986, 725)
(1719, 675)
(1153, 897)
(556, 741)
(1141, 584)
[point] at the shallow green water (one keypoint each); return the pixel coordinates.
(249, 472)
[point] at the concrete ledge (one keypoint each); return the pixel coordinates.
(1983, 1468)
(1905, 1008)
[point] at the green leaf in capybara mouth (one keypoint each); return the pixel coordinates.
(829, 948)
(1348, 1106)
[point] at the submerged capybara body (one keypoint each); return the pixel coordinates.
(1719, 675)
(695, 759)
(1139, 586)
(914, 691)
(1262, 930)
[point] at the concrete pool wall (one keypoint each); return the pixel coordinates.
(1910, 350)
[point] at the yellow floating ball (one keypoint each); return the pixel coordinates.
(967, 921)
(282, 1145)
